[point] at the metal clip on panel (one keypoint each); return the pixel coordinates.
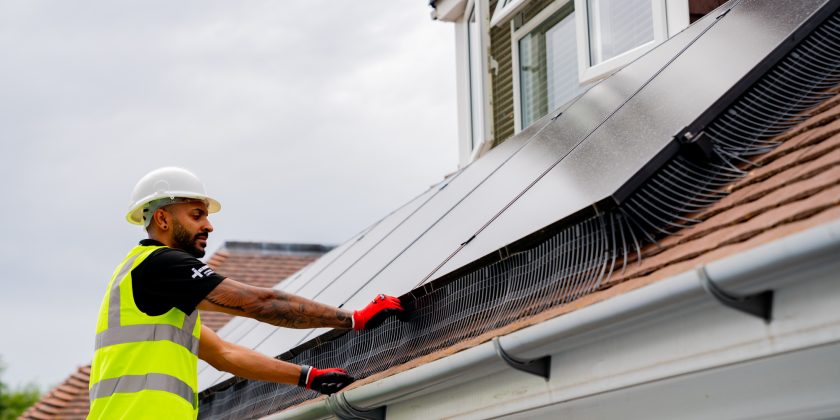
(540, 367)
(758, 304)
(343, 410)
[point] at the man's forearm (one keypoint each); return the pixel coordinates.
(287, 310)
(246, 363)
(250, 364)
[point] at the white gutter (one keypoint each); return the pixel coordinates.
(766, 266)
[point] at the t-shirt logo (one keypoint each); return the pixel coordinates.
(199, 273)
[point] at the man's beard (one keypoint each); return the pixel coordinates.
(184, 241)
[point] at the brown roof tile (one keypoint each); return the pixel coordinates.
(795, 184)
(65, 401)
(36, 415)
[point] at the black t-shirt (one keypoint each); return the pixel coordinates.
(171, 278)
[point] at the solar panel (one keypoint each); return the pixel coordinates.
(371, 238)
(448, 190)
(440, 235)
(271, 340)
(643, 131)
(409, 250)
(249, 333)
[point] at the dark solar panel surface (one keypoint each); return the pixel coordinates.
(410, 251)
(644, 126)
(545, 173)
(250, 333)
(450, 220)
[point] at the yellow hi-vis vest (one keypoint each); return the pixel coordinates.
(143, 366)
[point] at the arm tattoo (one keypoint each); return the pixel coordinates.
(342, 316)
(279, 308)
(223, 305)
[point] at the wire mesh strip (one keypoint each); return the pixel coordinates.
(576, 259)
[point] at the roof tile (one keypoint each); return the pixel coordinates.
(62, 401)
(797, 186)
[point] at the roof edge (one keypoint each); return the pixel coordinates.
(759, 268)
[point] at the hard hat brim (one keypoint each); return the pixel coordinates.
(135, 215)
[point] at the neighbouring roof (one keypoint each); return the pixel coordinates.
(68, 401)
(259, 264)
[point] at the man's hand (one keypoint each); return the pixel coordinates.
(376, 312)
(325, 381)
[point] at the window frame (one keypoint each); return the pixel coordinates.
(515, 36)
(587, 72)
(468, 149)
(670, 17)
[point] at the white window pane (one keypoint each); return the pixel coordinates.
(561, 62)
(548, 70)
(617, 26)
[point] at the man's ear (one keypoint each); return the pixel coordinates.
(161, 218)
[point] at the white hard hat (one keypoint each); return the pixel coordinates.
(168, 182)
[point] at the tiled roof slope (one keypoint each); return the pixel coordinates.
(68, 401)
(256, 263)
(796, 187)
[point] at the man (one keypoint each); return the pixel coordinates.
(149, 334)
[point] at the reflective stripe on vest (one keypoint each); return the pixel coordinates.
(137, 383)
(151, 332)
(118, 370)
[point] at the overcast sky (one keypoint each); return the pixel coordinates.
(308, 120)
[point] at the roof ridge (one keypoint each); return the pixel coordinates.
(276, 247)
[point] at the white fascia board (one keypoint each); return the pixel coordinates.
(666, 330)
(791, 385)
(449, 10)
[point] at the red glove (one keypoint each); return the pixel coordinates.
(376, 312)
(325, 381)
